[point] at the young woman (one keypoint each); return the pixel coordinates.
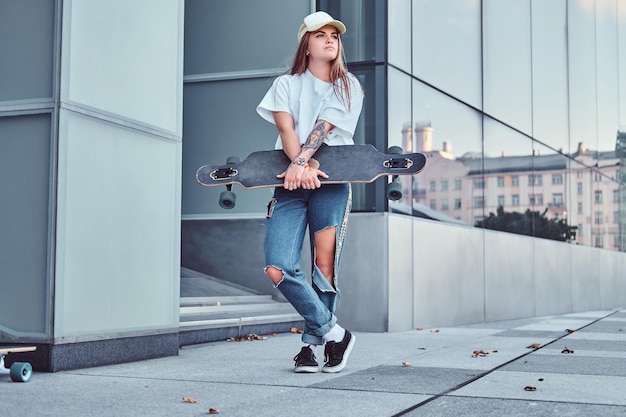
(316, 104)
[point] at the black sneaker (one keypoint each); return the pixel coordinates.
(305, 361)
(336, 353)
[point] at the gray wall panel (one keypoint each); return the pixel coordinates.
(448, 274)
(24, 187)
(553, 272)
(509, 276)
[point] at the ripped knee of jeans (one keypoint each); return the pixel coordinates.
(275, 274)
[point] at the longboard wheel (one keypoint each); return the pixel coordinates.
(21, 372)
(227, 199)
(395, 150)
(394, 191)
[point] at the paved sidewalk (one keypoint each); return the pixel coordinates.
(430, 372)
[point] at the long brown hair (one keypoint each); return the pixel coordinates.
(339, 75)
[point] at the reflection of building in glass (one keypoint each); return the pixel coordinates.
(582, 188)
(620, 151)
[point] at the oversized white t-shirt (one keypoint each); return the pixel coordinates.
(309, 99)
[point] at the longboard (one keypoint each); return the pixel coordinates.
(343, 164)
(19, 371)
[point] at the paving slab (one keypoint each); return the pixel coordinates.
(489, 407)
(403, 379)
(570, 364)
(561, 387)
(576, 342)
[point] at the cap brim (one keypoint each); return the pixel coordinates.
(341, 28)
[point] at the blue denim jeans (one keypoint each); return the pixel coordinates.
(289, 214)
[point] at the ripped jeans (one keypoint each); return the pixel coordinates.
(289, 214)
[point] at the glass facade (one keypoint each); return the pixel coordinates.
(515, 103)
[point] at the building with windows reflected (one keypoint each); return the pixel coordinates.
(470, 187)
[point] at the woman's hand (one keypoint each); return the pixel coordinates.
(302, 176)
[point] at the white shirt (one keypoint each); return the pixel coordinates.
(308, 99)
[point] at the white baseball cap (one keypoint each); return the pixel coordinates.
(318, 20)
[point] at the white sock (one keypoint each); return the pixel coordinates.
(336, 334)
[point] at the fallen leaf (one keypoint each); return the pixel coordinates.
(434, 331)
(570, 330)
(567, 350)
(190, 400)
(218, 304)
(272, 334)
(296, 330)
(534, 346)
(406, 364)
(214, 411)
(420, 328)
(530, 388)
(495, 351)
(478, 353)
(620, 330)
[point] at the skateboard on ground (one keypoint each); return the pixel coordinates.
(19, 371)
(343, 164)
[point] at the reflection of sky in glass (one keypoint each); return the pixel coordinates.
(446, 46)
(451, 121)
(507, 62)
(549, 72)
(518, 38)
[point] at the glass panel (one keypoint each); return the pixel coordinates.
(449, 133)
(621, 50)
(621, 195)
(27, 33)
(399, 127)
(549, 198)
(581, 191)
(364, 22)
(507, 169)
(450, 60)
(367, 131)
(507, 68)
(549, 62)
(597, 198)
(215, 128)
(605, 187)
(607, 74)
(398, 34)
(582, 76)
(228, 35)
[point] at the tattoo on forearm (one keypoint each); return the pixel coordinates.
(315, 139)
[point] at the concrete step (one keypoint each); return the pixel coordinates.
(211, 309)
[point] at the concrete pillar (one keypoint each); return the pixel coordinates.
(112, 279)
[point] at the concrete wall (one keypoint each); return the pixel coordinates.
(399, 272)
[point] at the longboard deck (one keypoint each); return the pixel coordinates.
(343, 164)
(16, 349)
